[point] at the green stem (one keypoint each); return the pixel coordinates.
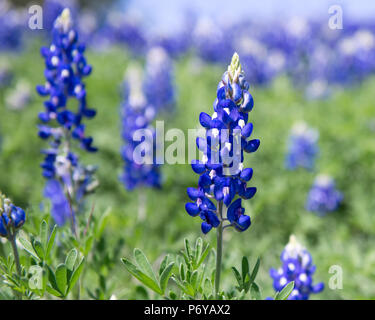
(15, 252)
(219, 249)
(12, 240)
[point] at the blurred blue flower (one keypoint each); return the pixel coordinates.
(64, 129)
(12, 24)
(302, 147)
(11, 217)
(323, 196)
(297, 266)
(211, 43)
(222, 175)
(137, 114)
(158, 84)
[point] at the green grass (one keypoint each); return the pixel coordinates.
(347, 151)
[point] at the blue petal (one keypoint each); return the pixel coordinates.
(205, 120)
(205, 227)
(192, 209)
(252, 145)
(246, 174)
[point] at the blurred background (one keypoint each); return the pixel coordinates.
(313, 87)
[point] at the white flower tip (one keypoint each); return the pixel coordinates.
(64, 20)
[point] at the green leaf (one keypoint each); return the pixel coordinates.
(53, 291)
(51, 241)
(44, 234)
(88, 244)
(71, 259)
(61, 278)
(102, 223)
(255, 271)
(164, 277)
(198, 249)
(182, 272)
(238, 276)
(194, 279)
(163, 265)
(204, 255)
(76, 274)
(143, 264)
(187, 248)
(284, 294)
(39, 249)
(245, 268)
(29, 248)
(255, 291)
(138, 274)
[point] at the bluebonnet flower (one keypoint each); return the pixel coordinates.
(63, 128)
(222, 175)
(212, 44)
(158, 83)
(297, 266)
(302, 147)
(355, 58)
(127, 30)
(137, 114)
(323, 196)
(12, 218)
(11, 26)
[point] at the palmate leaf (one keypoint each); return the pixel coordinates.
(141, 276)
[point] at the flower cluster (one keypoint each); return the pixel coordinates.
(297, 266)
(158, 84)
(137, 114)
(302, 147)
(323, 196)
(11, 217)
(221, 171)
(62, 127)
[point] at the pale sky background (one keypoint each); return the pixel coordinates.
(166, 15)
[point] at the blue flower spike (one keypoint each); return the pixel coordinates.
(323, 196)
(297, 266)
(302, 147)
(67, 179)
(222, 175)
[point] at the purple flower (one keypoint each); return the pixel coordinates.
(323, 196)
(221, 172)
